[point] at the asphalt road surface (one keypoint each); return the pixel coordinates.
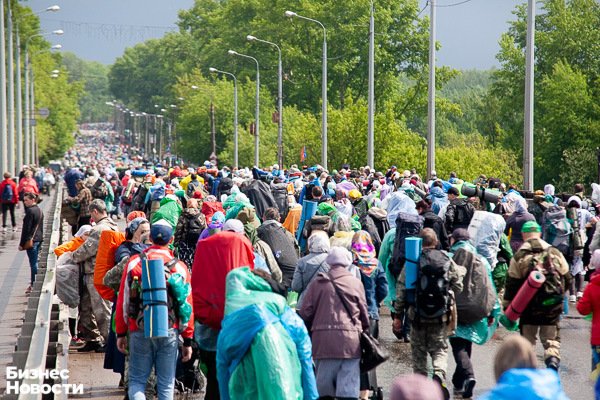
(575, 357)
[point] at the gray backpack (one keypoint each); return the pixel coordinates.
(477, 299)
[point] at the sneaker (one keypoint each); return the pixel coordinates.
(553, 363)
(4, 230)
(572, 298)
(443, 386)
(457, 391)
(29, 288)
(15, 229)
(468, 388)
(579, 295)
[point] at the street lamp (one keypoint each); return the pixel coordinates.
(279, 98)
(235, 113)
(292, 14)
(257, 111)
(29, 155)
(213, 134)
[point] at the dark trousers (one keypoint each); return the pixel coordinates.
(368, 380)
(461, 349)
(8, 207)
(209, 359)
(80, 222)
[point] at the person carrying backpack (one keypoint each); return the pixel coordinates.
(430, 311)
(459, 212)
(8, 195)
(477, 307)
(542, 314)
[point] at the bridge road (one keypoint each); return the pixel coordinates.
(14, 279)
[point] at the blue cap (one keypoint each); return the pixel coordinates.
(161, 232)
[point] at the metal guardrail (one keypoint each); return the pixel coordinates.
(42, 337)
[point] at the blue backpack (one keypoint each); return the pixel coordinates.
(7, 193)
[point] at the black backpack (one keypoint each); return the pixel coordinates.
(433, 299)
(139, 200)
(464, 214)
(407, 225)
(99, 190)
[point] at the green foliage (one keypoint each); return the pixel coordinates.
(54, 134)
(567, 98)
(94, 77)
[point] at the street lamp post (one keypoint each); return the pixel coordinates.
(213, 133)
(235, 114)
(29, 105)
(431, 104)
(257, 111)
(292, 14)
(529, 98)
(279, 97)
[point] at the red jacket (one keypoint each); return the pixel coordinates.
(134, 268)
(590, 303)
(215, 257)
(28, 185)
(15, 198)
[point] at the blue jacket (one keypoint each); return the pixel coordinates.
(72, 176)
(376, 289)
(527, 384)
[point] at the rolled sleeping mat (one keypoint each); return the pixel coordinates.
(413, 253)
(141, 172)
(489, 195)
(469, 190)
(154, 299)
(419, 192)
(534, 281)
(309, 209)
(411, 267)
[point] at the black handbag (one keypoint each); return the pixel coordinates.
(372, 354)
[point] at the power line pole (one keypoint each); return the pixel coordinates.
(529, 98)
(11, 94)
(371, 100)
(19, 118)
(431, 108)
(3, 116)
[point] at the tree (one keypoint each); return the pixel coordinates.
(567, 99)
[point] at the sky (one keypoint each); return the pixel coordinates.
(100, 30)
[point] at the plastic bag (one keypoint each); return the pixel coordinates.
(180, 289)
(67, 280)
(399, 202)
(263, 350)
(485, 230)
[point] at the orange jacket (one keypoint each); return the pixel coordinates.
(68, 246)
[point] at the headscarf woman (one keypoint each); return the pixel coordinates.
(374, 281)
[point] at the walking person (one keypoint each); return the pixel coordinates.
(477, 309)
(542, 314)
(374, 281)
(334, 310)
(158, 352)
(9, 198)
(82, 201)
(430, 313)
(94, 311)
(27, 185)
(32, 234)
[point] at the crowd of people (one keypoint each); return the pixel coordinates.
(272, 276)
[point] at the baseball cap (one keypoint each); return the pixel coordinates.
(530, 226)
(161, 232)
